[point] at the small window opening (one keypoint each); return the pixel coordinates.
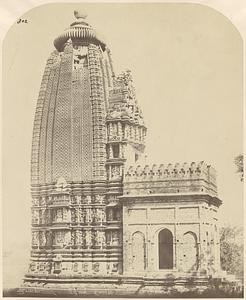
(116, 151)
(57, 267)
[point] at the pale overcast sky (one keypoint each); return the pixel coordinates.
(187, 67)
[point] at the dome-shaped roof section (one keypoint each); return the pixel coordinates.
(79, 30)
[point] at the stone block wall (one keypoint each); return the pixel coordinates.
(193, 227)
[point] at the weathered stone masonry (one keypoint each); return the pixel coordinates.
(92, 214)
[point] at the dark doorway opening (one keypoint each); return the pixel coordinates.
(165, 249)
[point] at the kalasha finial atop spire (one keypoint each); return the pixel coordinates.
(80, 29)
(79, 14)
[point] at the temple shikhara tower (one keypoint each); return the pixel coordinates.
(98, 215)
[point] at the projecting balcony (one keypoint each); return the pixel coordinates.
(115, 160)
(114, 224)
(41, 225)
(114, 139)
(61, 201)
(60, 225)
(113, 244)
(88, 225)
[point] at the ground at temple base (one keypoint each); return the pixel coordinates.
(213, 289)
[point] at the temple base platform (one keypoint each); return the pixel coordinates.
(170, 287)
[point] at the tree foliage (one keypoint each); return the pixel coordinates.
(231, 250)
(239, 164)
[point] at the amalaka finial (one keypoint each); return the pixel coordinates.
(79, 14)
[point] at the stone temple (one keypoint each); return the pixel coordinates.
(100, 220)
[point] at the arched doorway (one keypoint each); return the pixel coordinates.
(138, 252)
(165, 239)
(190, 252)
